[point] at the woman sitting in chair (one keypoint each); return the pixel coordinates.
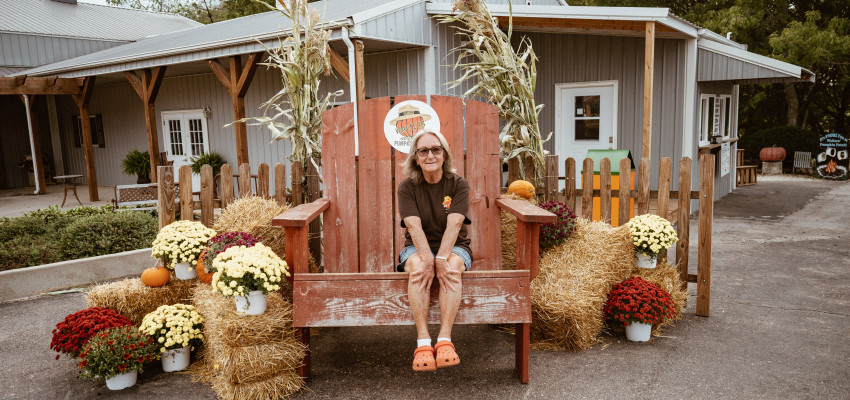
(433, 203)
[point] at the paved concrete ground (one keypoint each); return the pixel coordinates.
(778, 329)
(17, 202)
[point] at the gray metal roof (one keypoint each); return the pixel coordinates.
(192, 42)
(8, 71)
(83, 20)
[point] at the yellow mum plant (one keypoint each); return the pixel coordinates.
(651, 234)
(181, 242)
(241, 269)
(174, 326)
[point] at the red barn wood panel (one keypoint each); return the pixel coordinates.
(365, 299)
(482, 135)
(340, 220)
(376, 190)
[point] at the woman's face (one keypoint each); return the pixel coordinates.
(430, 163)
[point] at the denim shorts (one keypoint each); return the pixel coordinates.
(409, 250)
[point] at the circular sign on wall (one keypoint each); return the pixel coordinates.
(407, 118)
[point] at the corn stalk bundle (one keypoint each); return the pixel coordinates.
(503, 76)
(295, 112)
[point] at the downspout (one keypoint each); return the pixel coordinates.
(352, 84)
(32, 146)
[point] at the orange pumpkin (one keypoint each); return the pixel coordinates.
(201, 269)
(156, 276)
(523, 189)
(772, 154)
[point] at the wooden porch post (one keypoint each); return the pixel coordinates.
(649, 67)
(147, 88)
(237, 83)
(35, 137)
(359, 69)
(82, 101)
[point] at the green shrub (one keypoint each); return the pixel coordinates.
(212, 158)
(27, 251)
(107, 234)
(790, 138)
(11, 228)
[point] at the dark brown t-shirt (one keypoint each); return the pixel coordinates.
(426, 201)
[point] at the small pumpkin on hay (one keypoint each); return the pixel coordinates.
(156, 276)
(521, 188)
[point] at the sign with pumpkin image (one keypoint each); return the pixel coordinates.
(833, 160)
(407, 118)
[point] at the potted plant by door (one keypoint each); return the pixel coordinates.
(212, 158)
(137, 163)
(651, 234)
(117, 355)
(638, 305)
(176, 329)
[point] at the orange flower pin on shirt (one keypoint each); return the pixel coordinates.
(447, 202)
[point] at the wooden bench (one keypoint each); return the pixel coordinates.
(138, 197)
(802, 160)
(362, 234)
(745, 174)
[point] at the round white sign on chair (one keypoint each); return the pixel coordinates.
(407, 118)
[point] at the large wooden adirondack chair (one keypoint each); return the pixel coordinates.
(362, 234)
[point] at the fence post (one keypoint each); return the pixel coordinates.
(551, 178)
(587, 189)
(316, 225)
(280, 183)
(165, 194)
(625, 197)
(207, 195)
(706, 211)
(187, 208)
(244, 180)
(226, 185)
(297, 184)
(263, 180)
(643, 187)
(570, 183)
(683, 225)
(662, 205)
(513, 171)
(605, 190)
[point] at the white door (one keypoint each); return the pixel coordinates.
(585, 118)
(185, 136)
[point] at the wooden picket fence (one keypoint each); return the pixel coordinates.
(170, 200)
(585, 208)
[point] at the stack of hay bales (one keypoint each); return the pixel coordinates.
(132, 299)
(248, 356)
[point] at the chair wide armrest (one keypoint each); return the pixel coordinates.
(525, 211)
(301, 215)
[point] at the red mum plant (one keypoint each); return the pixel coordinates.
(116, 351)
(223, 241)
(557, 232)
(636, 300)
(71, 335)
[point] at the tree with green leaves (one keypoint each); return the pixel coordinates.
(204, 11)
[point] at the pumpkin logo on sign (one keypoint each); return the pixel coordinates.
(407, 118)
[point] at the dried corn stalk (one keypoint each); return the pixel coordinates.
(295, 112)
(503, 76)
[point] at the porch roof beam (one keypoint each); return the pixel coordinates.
(23, 85)
(588, 24)
(237, 81)
(648, 73)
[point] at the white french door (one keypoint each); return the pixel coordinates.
(585, 118)
(185, 136)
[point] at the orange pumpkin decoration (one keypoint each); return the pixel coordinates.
(772, 154)
(201, 269)
(521, 188)
(156, 276)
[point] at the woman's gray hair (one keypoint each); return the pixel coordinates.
(412, 170)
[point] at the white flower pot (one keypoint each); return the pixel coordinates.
(644, 261)
(185, 271)
(638, 331)
(122, 381)
(175, 360)
(252, 304)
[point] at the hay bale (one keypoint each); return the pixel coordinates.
(254, 215)
(134, 300)
(666, 277)
(248, 357)
(569, 294)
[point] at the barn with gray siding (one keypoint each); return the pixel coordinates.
(408, 52)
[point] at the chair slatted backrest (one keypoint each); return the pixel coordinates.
(368, 195)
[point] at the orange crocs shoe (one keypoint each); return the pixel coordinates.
(446, 356)
(423, 359)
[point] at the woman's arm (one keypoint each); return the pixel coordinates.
(446, 275)
(420, 241)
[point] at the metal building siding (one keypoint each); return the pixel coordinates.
(513, 2)
(34, 50)
(395, 73)
(408, 25)
(717, 67)
(446, 40)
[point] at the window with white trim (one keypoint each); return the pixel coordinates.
(715, 117)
